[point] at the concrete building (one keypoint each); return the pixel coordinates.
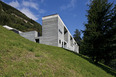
(55, 33)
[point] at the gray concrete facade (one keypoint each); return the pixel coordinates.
(55, 33)
(49, 31)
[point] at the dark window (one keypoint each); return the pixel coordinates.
(38, 34)
(37, 40)
(62, 44)
(60, 31)
(70, 38)
(59, 41)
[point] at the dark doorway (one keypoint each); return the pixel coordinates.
(37, 40)
(62, 44)
(65, 44)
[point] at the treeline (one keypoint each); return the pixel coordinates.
(99, 37)
(14, 18)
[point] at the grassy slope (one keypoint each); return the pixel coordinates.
(20, 57)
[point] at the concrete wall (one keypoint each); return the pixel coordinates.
(30, 35)
(67, 41)
(60, 33)
(49, 30)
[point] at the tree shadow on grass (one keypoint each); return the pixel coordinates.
(102, 66)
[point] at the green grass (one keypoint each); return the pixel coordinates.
(20, 57)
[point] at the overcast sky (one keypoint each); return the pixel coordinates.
(72, 12)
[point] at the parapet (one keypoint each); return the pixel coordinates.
(50, 16)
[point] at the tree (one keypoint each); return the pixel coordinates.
(77, 37)
(0, 8)
(110, 39)
(100, 22)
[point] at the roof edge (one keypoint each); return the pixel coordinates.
(51, 15)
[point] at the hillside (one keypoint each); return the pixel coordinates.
(21, 57)
(16, 19)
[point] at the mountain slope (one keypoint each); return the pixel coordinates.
(16, 19)
(21, 57)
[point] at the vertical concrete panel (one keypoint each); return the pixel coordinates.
(50, 31)
(60, 33)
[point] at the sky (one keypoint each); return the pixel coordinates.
(72, 12)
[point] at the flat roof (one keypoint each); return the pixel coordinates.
(7, 27)
(50, 15)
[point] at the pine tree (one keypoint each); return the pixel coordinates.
(110, 39)
(100, 20)
(77, 37)
(0, 8)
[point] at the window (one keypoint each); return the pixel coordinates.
(60, 31)
(70, 38)
(59, 41)
(38, 34)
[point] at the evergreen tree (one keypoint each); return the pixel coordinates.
(77, 37)
(100, 21)
(0, 8)
(110, 39)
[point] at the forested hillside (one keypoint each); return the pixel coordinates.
(16, 19)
